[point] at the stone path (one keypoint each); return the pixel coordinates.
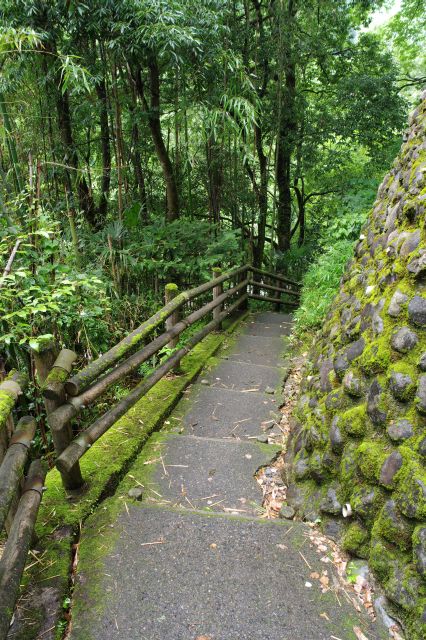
(194, 559)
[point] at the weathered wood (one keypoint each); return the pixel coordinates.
(275, 300)
(244, 277)
(217, 291)
(84, 441)
(10, 390)
(44, 358)
(82, 379)
(18, 543)
(74, 405)
(170, 292)
(12, 467)
(275, 276)
(54, 397)
(271, 287)
(53, 387)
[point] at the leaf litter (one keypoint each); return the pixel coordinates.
(358, 592)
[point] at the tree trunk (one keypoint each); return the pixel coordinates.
(153, 111)
(106, 151)
(286, 132)
(262, 197)
(71, 159)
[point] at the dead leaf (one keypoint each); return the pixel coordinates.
(359, 634)
(314, 575)
(324, 582)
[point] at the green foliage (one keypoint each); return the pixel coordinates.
(320, 285)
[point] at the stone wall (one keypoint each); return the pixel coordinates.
(360, 437)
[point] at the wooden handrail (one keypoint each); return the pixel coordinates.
(18, 543)
(84, 377)
(271, 287)
(81, 444)
(12, 467)
(275, 300)
(73, 406)
(275, 276)
(10, 390)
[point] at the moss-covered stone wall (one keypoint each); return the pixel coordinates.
(360, 437)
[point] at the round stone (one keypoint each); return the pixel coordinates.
(404, 340)
(390, 468)
(335, 435)
(410, 243)
(287, 512)
(417, 311)
(419, 548)
(353, 384)
(399, 385)
(422, 362)
(330, 503)
(397, 300)
(136, 493)
(420, 399)
(400, 430)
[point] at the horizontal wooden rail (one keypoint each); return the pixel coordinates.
(12, 467)
(74, 405)
(275, 276)
(82, 443)
(272, 287)
(275, 300)
(82, 379)
(18, 543)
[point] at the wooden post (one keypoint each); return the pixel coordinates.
(18, 543)
(171, 291)
(44, 357)
(10, 390)
(244, 303)
(54, 397)
(278, 294)
(217, 291)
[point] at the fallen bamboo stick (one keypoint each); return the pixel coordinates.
(12, 467)
(18, 543)
(82, 379)
(84, 441)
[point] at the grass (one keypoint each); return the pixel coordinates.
(320, 285)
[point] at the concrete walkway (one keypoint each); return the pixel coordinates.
(193, 559)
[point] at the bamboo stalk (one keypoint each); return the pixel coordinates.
(82, 379)
(12, 467)
(74, 405)
(84, 441)
(275, 276)
(12, 256)
(275, 300)
(18, 543)
(272, 287)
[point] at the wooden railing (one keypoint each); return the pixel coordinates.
(86, 386)
(65, 397)
(19, 498)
